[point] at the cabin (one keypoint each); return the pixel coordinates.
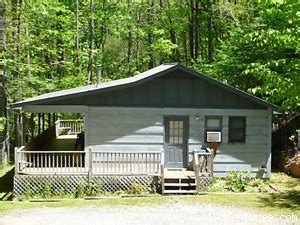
(170, 127)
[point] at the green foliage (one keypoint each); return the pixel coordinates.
(262, 56)
(136, 189)
(239, 181)
(46, 192)
(254, 45)
(218, 185)
(1, 124)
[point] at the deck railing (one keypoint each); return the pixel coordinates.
(49, 162)
(134, 162)
(92, 162)
(68, 127)
(203, 165)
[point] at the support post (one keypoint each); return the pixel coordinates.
(16, 161)
(39, 123)
(21, 129)
(49, 120)
(53, 118)
(43, 122)
(162, 172)
(90, 171)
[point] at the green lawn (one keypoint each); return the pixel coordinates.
(285, 202)
(6, 182)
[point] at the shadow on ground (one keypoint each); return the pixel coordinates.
(290, 199)
(6, 185)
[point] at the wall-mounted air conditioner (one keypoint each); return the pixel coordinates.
(213, 136)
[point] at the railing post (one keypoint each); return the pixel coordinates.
(196, 166)
(57, 126)
(90, 171)
(162, 163)
(16, 161)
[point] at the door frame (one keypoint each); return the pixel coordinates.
(186, 129)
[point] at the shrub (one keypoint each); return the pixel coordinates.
(46, 191)
(136, 189)
(218, 185)
(237, 181)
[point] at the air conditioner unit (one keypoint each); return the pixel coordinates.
(213, 136)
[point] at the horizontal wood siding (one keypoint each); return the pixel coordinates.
(125, 129)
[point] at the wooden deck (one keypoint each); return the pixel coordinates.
(170, 174)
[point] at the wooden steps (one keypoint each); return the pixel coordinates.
(179, 182)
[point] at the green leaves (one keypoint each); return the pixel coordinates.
(263, 58)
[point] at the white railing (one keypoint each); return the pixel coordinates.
(134, 162)
(68, 127)
(202, 165)
(91, 163)
(49, 162)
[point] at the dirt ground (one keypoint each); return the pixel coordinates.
(178, 214)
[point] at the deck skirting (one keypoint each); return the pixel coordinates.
(69, 184)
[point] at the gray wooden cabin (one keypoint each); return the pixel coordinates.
(159, 121)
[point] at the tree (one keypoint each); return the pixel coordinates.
(262, 57)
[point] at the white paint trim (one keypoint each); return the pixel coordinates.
(55, 108)
(269, 143)
(177, 111)
(86, 136)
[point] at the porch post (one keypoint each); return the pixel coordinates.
(39, 123)
(16, 161)
(43, 122)
(90, 171)
(21, 129)
(49, 120)
(53, 118)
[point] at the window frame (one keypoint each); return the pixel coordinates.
(230, 129)
(216, 130)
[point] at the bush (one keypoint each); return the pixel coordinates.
(136, 189)
(237, 181)
(218, 185)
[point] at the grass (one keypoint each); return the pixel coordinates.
(287, 201)
(6, 182)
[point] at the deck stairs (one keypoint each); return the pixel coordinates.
(179, 182)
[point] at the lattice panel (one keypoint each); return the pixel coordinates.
(123, 183)
(204, 181)
(69, 184)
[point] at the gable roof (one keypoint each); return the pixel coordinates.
(52, 97)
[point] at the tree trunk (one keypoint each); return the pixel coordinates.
(191, 29)
(174, 38)
(149, 34)
(129, 43)
(210, 34)
(4, 135)
(91, 44)
(77, 38)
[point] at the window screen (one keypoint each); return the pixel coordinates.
(213, 123)
(237, 129)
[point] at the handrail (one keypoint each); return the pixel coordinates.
(202, 167)
(92, 162)
(162, 171)
(70, 120)
(71, 126)
(51, 152)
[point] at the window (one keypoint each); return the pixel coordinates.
(176, 132)
(237, 129)
(213, 123)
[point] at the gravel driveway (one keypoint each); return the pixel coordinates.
(177, 214)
